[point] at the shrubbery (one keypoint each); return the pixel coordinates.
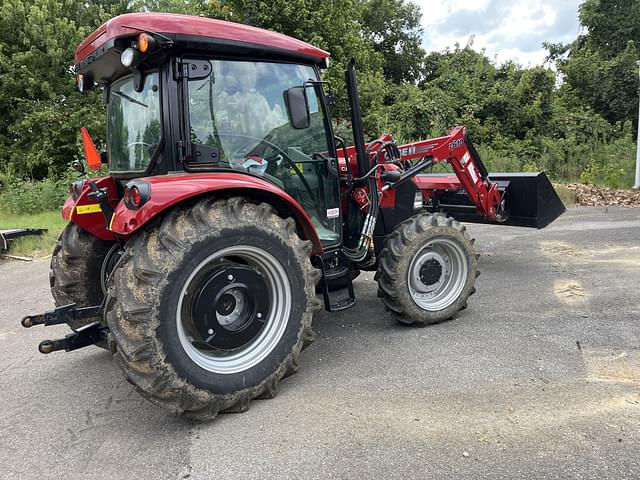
(613, 165)
(576, 122)
(22, 196)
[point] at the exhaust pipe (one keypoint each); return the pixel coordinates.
(356, 118)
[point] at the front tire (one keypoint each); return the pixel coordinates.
(211, 308)
(427, 269)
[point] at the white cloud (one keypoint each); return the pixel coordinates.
(435, 11)
(505, 29)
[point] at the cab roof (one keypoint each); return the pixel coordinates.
(191, 29)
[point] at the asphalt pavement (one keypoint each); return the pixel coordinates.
(538, 378)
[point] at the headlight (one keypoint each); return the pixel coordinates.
(128, 57)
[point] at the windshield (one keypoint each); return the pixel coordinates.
(133, 124)
(241, 111)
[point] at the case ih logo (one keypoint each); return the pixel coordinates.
(414, 149)
(458, 142)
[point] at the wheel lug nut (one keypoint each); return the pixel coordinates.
(230, 278)
(259, 315)
(210, 331)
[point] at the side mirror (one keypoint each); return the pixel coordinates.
(78, 166)
(85, 82)
(297, 107)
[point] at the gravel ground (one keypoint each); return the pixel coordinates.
(538, 378)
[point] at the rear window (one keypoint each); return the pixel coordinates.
(133, 124)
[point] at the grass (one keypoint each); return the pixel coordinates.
(33, 246)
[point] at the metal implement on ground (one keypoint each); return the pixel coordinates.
(11, 234)
(232, 213)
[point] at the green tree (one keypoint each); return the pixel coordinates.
(599, 66)
(40, 107)
(333, 25)
(393, 28)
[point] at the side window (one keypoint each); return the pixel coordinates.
(236, 108)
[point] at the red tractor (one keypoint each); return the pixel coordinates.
(231, 210)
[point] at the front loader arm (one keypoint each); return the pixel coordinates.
(457, 150)
(517, 199)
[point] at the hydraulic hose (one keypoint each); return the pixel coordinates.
(366, 235)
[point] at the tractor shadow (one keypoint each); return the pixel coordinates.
(87, 392)
(367, 331)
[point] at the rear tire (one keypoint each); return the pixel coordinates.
(427, 270)
(210, 308)
(76, 266)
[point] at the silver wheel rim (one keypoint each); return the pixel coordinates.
(442, 290)
(276, 318)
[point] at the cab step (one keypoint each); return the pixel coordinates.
(336, 269)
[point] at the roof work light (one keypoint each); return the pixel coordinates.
(129, 57)
(144, 44)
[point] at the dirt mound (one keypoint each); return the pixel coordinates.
(592, 196)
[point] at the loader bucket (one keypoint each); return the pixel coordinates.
(530, 198)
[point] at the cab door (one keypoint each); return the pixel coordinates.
(238, 117)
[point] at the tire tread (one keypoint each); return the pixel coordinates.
(391, 281)
(139, 352)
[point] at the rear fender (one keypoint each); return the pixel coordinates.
(167, 191)
(86, 213)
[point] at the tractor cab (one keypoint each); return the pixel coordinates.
(211, 103)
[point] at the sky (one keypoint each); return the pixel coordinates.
(506, 29)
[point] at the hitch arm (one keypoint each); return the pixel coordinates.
(83, 337)
(60, 315)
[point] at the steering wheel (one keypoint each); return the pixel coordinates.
(255, 150)
(133, 144)
(267, 143)
(285, 157)
(131, 149)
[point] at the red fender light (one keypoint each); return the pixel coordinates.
(136, 194)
